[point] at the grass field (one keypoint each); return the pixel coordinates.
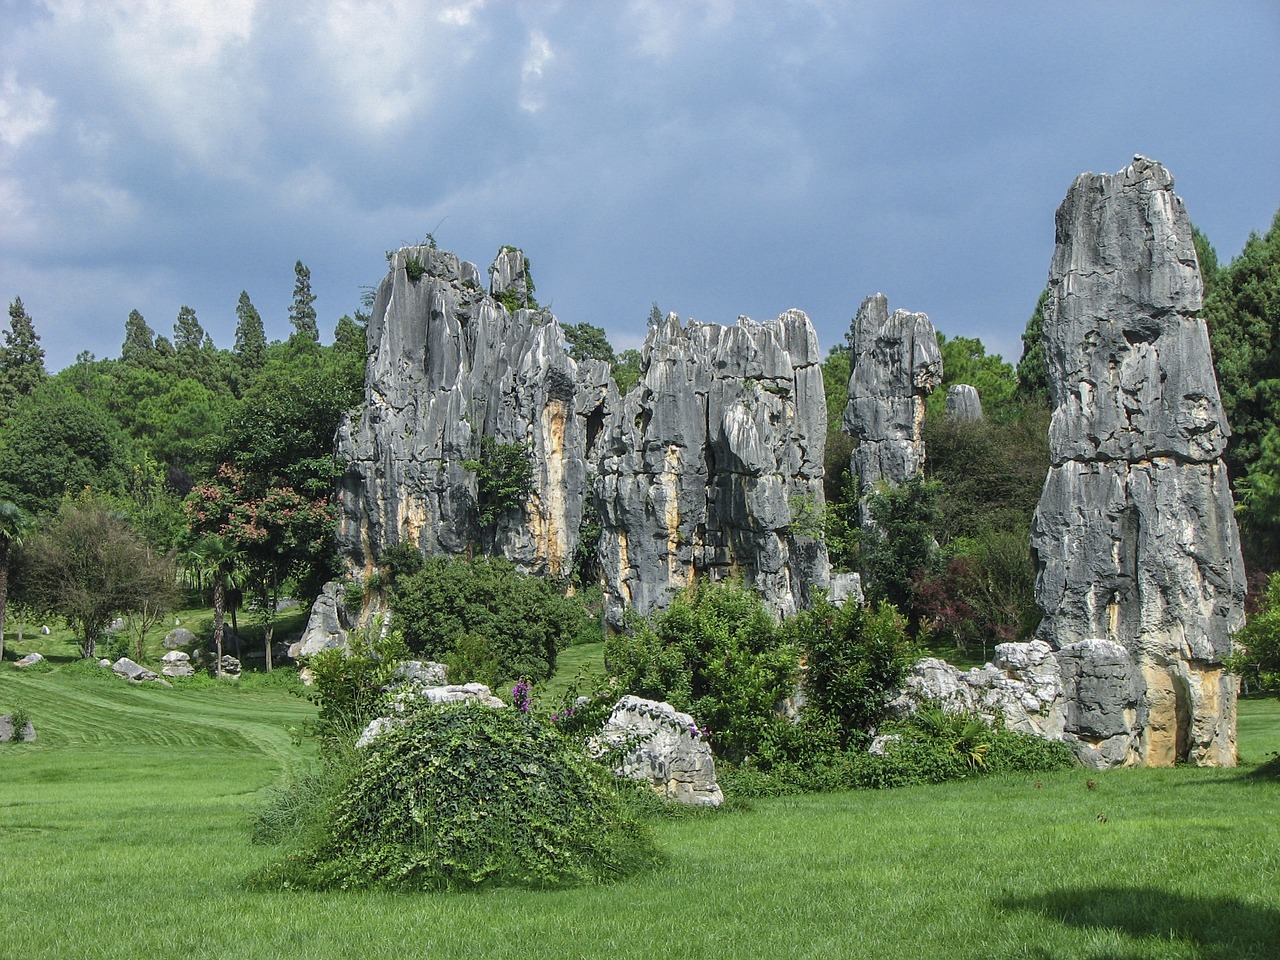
(123, 834)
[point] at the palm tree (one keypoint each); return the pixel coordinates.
(214, 562)
(15, 524)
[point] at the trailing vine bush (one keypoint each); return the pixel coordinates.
(461, 796)
(504, 479)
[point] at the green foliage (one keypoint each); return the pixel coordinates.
(856, 658)
(302, 312)
(588, 342)
(504, 479)
(459, 797)
(626, 372)
(21, 358)
(473, 659)
(350, 688)
(139, 340)
(1033, 374)
(965, 360)
(524, 619)
(1207, 258)
(900, 544)
(414, 268)
(251, 338)
(718, 654)
(188, 334)
(401, 560)
(1257, 647)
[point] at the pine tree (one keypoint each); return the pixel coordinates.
(302, 313)
(139, 339)
(21, 357)
(251, 338)
(187, 332)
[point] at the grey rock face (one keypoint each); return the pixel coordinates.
(177, 664)
(179, 637)
(7, 733)
(231, 667)
(134, 672)
(895, 365)
(328, 626)
(662, 747)
(449, 365)
(1135, 538)
(963, 402)
(712, 465)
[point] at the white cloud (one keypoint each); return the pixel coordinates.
(460, 14)
(537, 55)
(24, 111)
(661, 27)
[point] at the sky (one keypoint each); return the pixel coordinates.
(717, 158)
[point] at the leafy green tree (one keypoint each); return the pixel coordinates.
(302, 312)
(504, 479)
(525, 620)
(188, 335)
(900, 543)
(965, 360)
(89, 567)
(1032, 372)
(213, 563)
(251, 338)
(139, 340)
(626, 372)
(588, 342)
(176, 422)
(21, 358)
(15, 524)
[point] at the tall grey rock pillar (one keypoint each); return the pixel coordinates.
(1134, 538)
(449, 365)
(895, 365)
(712, 465)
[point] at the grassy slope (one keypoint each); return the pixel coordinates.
(123, 834)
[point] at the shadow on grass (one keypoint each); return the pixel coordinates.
(1219, 927)
(1268, 771)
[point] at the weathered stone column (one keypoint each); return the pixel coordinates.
(1134, 538)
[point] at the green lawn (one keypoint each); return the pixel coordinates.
(123, 834)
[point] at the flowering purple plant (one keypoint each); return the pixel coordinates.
(703, 733)
(520, 698)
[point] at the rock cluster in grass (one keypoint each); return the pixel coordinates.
(415, 680)
(710, 466)
(30, 660)
(895, 365)
(1134, 538)
(177, 663)
(135, 672)
(663, 747)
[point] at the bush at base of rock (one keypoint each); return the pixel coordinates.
(461, 797)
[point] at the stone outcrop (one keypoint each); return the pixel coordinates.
(448, 364)
(177, 664)
(712, 465)
(1134, 537)
(963, 402)
(423, 681)
(895, 365)
(30, 660)
(180, 637)
(663, 747)
(328, 626)
(135, 672)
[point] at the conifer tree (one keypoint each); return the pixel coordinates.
(21, 356)
(302, 312)
(251, 338)
(188, 335)
(139, 339)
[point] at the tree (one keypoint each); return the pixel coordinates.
(588, 342)
(139, 340)
(302, 312)
(21, 357)
(1033, 373)
(251, 338)
(504, 479)
(15, 524)
(213, 563)
(626, 372)
(965, 360)
(900, 543)
(188, 335)
(156, 603)
(1207, 257)
(89, 567)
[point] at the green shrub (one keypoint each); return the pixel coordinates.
(414, 267)
(350, 688)
(504, 479)
(473, 660)
(718, 654)
(461, 796)
(1257, 654)
(525, 619)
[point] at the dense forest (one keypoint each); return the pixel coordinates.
(181, 456)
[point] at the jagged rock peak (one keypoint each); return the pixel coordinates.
(448, 366)
(712, 464)
(895, 365)
(1134, 537)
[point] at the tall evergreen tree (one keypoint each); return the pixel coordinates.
(139, 339)
(21, 357)
(251, 338)
(188, 335)
(302, 312)
(1033, 374)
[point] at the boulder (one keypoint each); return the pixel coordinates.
(177, 664)
(895, 365)
(179, 637)
(328, 626)
(230, 666)
(1134, 537)
(44, 631)
(423, 673)
(963, 402)
(7, 733)
(28, 660)
(663, 747)
(712, 465)
(474, 693)
(135, 673)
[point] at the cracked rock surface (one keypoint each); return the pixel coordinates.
(1134, 537)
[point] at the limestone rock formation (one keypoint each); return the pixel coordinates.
(1134, 537)
(963, 402)
(712, 465)
(135, 672)
(895, 365)
(179, 637)
(328, 625)
(177, 664)
(448, 365)
(25, 734)
(664, 748)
